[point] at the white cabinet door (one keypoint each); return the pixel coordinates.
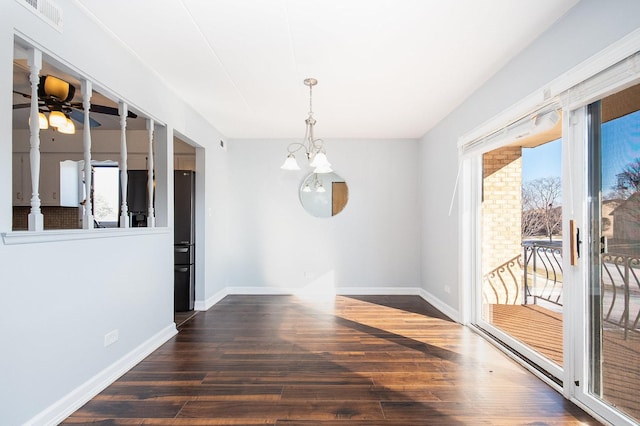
(49, 180)
(21, 184)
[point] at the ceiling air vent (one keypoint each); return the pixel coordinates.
(45, 9)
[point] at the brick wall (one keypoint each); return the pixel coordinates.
(501, 210)
(54, 217)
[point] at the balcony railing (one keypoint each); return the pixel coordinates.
(509, 284)
(621, 291)
(543, 267)
(535, 276)
(502, 284)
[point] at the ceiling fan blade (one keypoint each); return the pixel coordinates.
(79, 117)
(102, 109)
(23, 94)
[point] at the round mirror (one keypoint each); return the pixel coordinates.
(324, 194)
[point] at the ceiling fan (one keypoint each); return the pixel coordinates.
(55, 96)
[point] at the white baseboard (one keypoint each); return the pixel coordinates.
(344, 291)
(262, 291)
(64, 407)
(208, 303)
(68, 404)
(440, 305)
(378, 291)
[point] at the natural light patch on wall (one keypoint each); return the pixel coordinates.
(321, 288)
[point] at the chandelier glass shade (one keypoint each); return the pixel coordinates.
(313, 184)
(68, 129)
(58, 120)
(313, 148)
(43, 123)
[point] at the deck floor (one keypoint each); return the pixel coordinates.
(537, 327)
(541, 330)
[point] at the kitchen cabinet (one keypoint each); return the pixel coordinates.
(49, 180)
(51, 186)
(21, 194)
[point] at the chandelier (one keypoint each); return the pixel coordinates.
(314, 148)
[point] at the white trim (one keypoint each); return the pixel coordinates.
(469, 265)
(617, 77)
(47, 10)
(30, 237)
(505, 350)
(261, 291)
(545, 379)
(597, 63)
(68, 404)
(341, 291)
(524, 350)
(208, 303)
(378, 291)
(26, 41)
(440, 305)
(612, 69)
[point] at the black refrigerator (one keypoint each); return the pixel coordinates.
(184, 239)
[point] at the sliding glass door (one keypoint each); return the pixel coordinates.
(521, 291)
(613, 348)
(550, 229)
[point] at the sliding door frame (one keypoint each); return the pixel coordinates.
(615, 68)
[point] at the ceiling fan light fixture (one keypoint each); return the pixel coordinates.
(43, 124)
(42, 121)
(57, 119)
(68, 129)
(53, 86)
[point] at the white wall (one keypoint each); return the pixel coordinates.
(588, 28)
(373, 242)
(58, 299)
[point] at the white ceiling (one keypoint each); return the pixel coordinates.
(386, 68)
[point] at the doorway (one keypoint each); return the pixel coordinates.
(521, 291)
(580, 267)
(184, 202)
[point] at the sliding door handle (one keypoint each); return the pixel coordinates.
(604, 247)
(578, 242)
(574, 242)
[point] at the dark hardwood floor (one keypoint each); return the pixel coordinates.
(391, 360)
